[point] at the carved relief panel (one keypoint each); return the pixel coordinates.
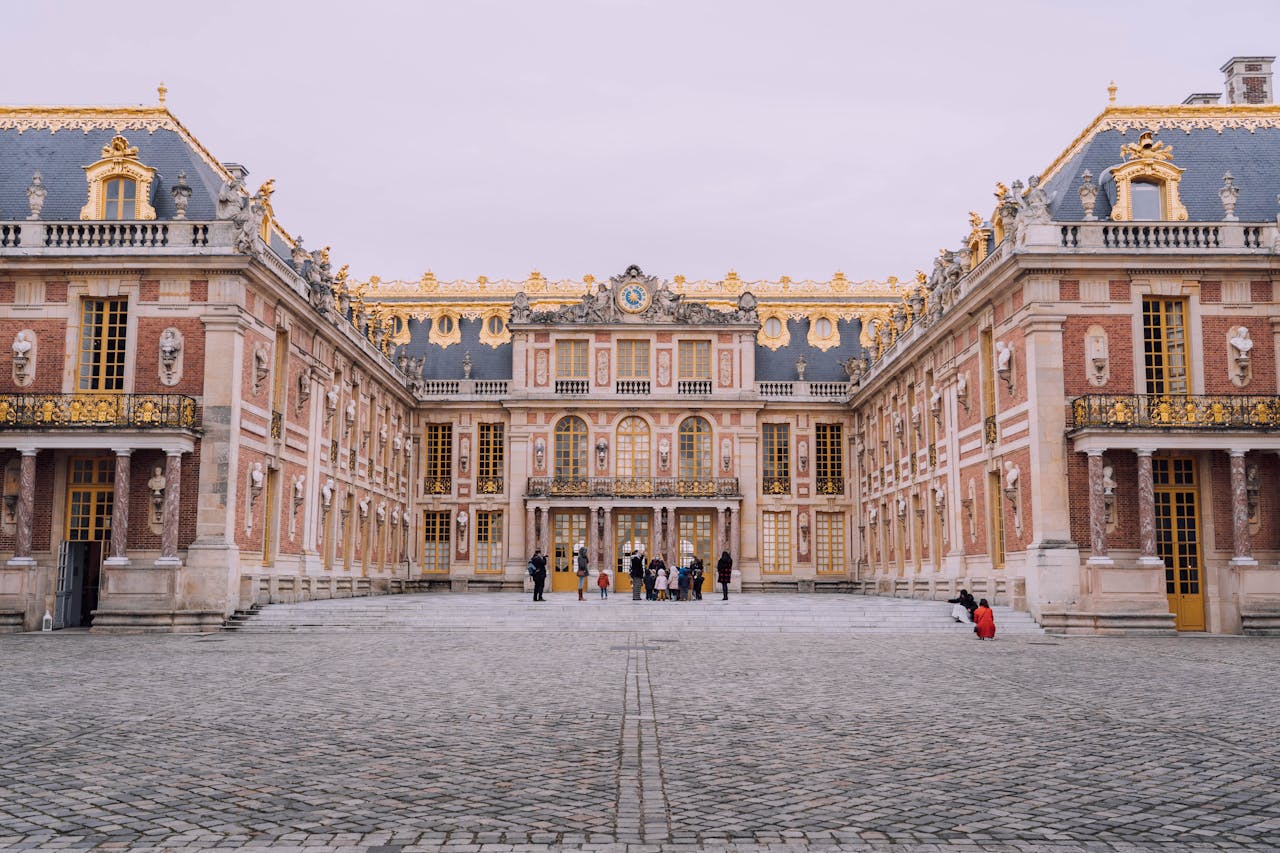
(664, 368)
(725, 377)
(1097, 361)
(541, 367)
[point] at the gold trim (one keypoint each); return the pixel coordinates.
(488, 338)
(763, 337)
(443, 339)
(119, 160)
(823, 342)
(1151, 161)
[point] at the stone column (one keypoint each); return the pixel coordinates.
(606, 541)
(172, 501)
(1243, 555)
(120, 509)
(26, 509)
(1146, 512)
(1097, 512)
(529, 532)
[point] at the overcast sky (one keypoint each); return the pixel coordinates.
(493, 138)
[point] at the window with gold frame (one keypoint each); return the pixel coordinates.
(695, 450)
(435, 541)
(632, 453)
(828, 458)
(1164, 337)
(104, 327)
(695, 360)
(996, 513)
(828, 541)
(571, 448)
(438, 459)
(633, 359)
(488, 542)
(777, 458)
(571, 359)
(775, 556)
(490, 459)
(90, 498)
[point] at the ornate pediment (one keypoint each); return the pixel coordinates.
(633, 297)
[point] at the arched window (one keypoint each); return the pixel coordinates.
(633, 448)
(1145, 198)
(695, 449)
(571, 448)
(120, 199)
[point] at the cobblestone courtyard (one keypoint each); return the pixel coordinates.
(703, 740)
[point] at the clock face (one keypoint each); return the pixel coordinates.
(633, 299)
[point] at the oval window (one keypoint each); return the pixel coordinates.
(823, 327)
(495, 325)
(773, 327)
(445, 325)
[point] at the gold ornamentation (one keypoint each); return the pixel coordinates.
(268, 213)
(503, 336)
(162, 90)
(1149, 161)
(1111, 92)
(444, 328)
(97, 411)
(820, 341)
(1146, 148)
(119, 160)
(773, 328)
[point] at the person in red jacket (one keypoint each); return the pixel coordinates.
(984, 621)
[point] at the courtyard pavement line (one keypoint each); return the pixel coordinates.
(642, 812)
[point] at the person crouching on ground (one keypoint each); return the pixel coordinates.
(984, 621)
(602, 581)
(964, 606)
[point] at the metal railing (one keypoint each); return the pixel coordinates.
(1176, 411)
(97, 411)
(488, 485)
(776, 485)
(437, 485)
(829, 485)
(633, 487)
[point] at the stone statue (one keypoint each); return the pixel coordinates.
(326, 493)
(855, 367)
(665, 301)
(22, 344)
(256, 476)
(746, 306)
(466, 365)
(157, 482)
(935, 400)
(230, 200)
(1228, 194)
(382, 512)
(1108, 480)
(602, 306)
(1011, 474)
(801, 367)
(170, 346)
(331, 399)
(1088, 195)
(364, 507)
(36, 194)
(181, 192)
(1004, 355)
(299, 484)
(1037, 202)
(521, 312)
(1241, 344)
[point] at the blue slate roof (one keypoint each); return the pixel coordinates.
(446, 362)
(60, 157)
(780, 365)
(1205, 154)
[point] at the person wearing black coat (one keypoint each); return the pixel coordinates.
(724, 573)
(965, 604)
(696, 573)
(538, 566)
(637, 575)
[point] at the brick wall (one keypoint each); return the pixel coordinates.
(147, 356)
(1119, 331)
(50, 354)
(1215, 361)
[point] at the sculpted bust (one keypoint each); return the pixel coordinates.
(1241, 341)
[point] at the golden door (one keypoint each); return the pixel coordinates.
(695, 541)
(1178, 540)
(568, 535)
(631, 533)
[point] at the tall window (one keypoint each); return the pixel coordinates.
(438, 457)
(571, 359)
(777, 459)
(103, 325)
(488, 541)
(828, 542)
(633, 359)
(571, 448)
(1144, 199)
(996, 512)
(1164, 335)
(775, 557)
(695, 449)
(120, 199)
(491, 459)
(695, 359)
(828, 458)
(435, 541)
(633, 448)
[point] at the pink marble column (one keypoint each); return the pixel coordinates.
(120, 509)
(172, 502)
(1146, 511)
(606, 548)
(26, 508)
(530, 533)
(1098, 510)
(1240, 511)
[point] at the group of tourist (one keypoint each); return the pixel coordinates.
(654, 579)
(966, 609)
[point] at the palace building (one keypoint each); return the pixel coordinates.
(1072, 413)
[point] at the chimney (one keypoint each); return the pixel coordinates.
(1200, 99)
(237, 171)
(1249, 79)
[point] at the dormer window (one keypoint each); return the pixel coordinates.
(119, 185)
(1147, 183)
(1145, 199)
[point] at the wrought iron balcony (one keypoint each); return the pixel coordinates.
(633, 487)
(437, 485)
(1178, 411)
(776, 485)
(488, 485)
(97, 411)
(830, 485)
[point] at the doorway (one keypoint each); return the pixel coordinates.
(631, 533)
(90, 498)
(694, 528)
(1178, 539)
(568, 534)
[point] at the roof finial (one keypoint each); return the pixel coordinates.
(162, 90)
(1111, 92)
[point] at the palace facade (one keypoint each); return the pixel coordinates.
(1073, 413)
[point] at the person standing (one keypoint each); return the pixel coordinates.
(683, 578)
(583, 572)
(602, 581)
(984, 621)
(661, 583)
(649, 580)
(637, 574)
(696, 574)
(724, 573)
(538, 571)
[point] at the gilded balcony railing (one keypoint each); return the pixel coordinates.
(1193, 411)
(776, 485)
(633, 487)
(488, 485)
(989, 434)
(437, 485)
(830, 485)
(97, 411)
